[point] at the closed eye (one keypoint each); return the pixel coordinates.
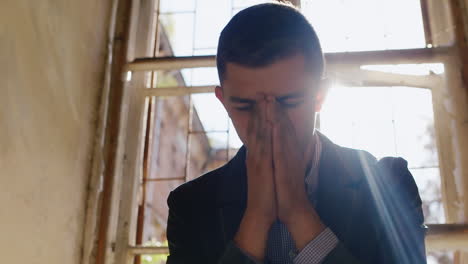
(244, 108)
(290, 102)
(242, 104)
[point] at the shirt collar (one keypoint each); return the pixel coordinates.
(311, 177)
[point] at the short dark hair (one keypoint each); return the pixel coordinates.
(261, 34)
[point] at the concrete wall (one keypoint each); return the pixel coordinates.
(51, 73)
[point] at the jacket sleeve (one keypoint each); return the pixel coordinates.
(181, 236)
(340, 254)
(402, 229)
(234, 255)
(399, 216)
(184, 242)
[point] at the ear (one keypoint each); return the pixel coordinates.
(322, 94)
(219, 93)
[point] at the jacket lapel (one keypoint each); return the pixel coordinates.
(232, 195)
(339, 186)
(338, 192)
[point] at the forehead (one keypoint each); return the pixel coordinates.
(285, 76)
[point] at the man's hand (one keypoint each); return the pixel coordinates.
(261, 201)
(293, 206)
(261, 188)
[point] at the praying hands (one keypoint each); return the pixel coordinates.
(276, 164)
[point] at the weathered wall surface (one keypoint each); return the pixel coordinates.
(51, 70)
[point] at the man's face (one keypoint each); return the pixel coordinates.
(293, 86)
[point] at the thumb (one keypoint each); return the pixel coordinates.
(276, 146)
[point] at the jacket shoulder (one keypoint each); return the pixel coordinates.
(393, 170)
(200, 189)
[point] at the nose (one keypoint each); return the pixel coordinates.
(269, 108)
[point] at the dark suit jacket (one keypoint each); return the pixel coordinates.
(372, 206)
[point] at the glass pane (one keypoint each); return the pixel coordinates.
(168, 149)
(156, 211)
(414, 126)
(210, 130)
(360, 117)
(198, 76)
(207, 152)
(187, 76)
(366, 24)
(234, 140)
(235, 11)
(153, 259)
(246, 3)
(428, 181)
(177, 6)
(403, 24)
(387, 121)
(200, 155)
(410, 69)
(166, 79)
(214, 118)
(204, 76)
(179, 29)
(440, 257)
(211, 17)
(207, 51)
(211, 113)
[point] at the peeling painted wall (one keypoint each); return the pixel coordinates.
(51, 73)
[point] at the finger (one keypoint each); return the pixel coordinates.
(287, 131)
(276, 138)
(282, 136)
(267, 155)
(269, 109)
(282, 118)
(252, 131)
(287, 136)
(270, 121)
(268, 131)
(279, 122)
(263, 127)
(261, 117)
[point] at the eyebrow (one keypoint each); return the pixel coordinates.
(235, 99)
(291, 96)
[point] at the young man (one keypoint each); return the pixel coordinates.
(290, 195)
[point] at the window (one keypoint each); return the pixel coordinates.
(185, 131)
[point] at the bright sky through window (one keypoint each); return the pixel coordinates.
(401, 117)
(194, 29)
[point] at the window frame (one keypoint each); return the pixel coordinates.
(119, 151)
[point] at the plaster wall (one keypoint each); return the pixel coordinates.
(51, 73)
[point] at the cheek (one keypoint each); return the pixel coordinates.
(303, 119)
(240, 122)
